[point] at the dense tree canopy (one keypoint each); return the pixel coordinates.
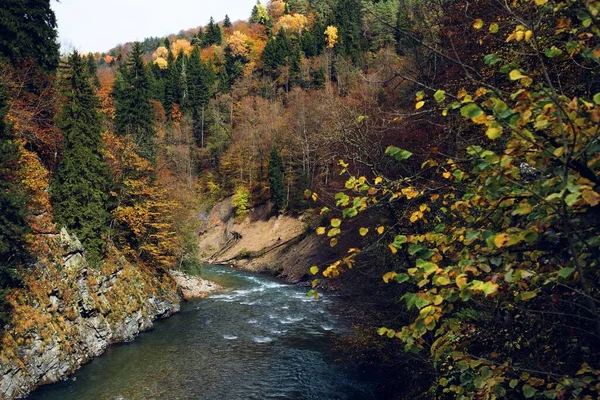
(80, 190)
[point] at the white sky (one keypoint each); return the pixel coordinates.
(91, 26)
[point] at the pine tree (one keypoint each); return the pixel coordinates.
(28, 30)
(276, 186)
(200, 81)
(134, 113)
(227, 22)
(80, 190)
(13, 226)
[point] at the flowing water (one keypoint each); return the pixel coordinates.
(258, 339)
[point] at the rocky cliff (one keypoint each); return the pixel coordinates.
(69, 313)
(261, 242)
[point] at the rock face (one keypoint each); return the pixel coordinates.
(193, 287)
(73, 314)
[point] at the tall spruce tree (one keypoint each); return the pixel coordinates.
(276, 186)
(213, 34)
(226, 22)
(348, 20)
(13, 226)
(80, 190)
(93, 70)
(134, 113)
(28, 30)
(171, 84)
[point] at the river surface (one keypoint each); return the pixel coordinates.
(258, 339)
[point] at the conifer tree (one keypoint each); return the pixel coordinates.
(276, 186)
(93, 70)
(213, 34)
(171, 84)
(13, 226)
(348, 20)
(227, 22)
(28, 30)
(134, 113)
(80, 190)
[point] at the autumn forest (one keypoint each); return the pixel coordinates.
(445, 156)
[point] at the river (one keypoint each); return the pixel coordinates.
(258, 339)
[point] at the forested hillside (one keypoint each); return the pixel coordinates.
(446, 150)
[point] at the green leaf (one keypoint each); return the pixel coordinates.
(471, 110)
(440, 95)
(513, 383)
(489, 288)
(494, 28)
(399, 241)
(553, 52)
(401, 278)
(529, 391)
(427, 267)
(565, 272)
(528, 295)
(336, 222)
(491, 59)
(398, 153)
(597, 98)
(314, 270)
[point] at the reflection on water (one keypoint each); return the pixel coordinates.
(259, 339)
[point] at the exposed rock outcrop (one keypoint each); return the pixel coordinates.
(70, 313)
(193, 287)
(260, 242)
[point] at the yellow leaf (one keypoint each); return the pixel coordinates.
(393, 249)
(515, 74)
(501, 239)
(478, 24)
(494, 132)
(314, 270)
(419, 105)
(378, 180)
(380, 230)
(591, 197)
(541, 2)
(363, 231)
(494, 28)
(528, 35)
(320, 230)
(519, 35)
(447, 175)
(336, 222)
(314, 197)
(389, 276)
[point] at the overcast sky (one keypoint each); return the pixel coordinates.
(89, 25)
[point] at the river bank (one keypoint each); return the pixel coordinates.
(255, 339)
(71, 313)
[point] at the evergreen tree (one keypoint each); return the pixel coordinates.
(198, 40)
(213, 34)
(171, 84)
(80, 190)
(296, 67)
(13, 210)
(403, 25)
(28, 30)
(348, 20)
(134, 113)
(276, 186)
(200, 81)
(227, 22)
(167, 44)
(93, 70)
